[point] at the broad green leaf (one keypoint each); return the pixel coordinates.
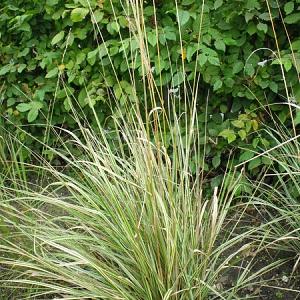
(21, 67)
(229, 41)
(58, 37)
(249, 16)
(178, 78)
(183, 17)
(170, 34)
(237, 67)
(36, 105)
(238, 123)
(246, 155)
(262, 27)
(218, 84)
(265, 16)
(11, 101)
(52, 2)
(152, 38)
(252, 4)
(296, 45)
(216, 161)
(228, 134)
(251, 28)
(297, 118)
(97, 16)
(78, 14)
(4, 70)
(249, 70)
(187, 2)
(52, 73)
(289, 7)
(266, 160)
(256, 162)
(115, 26)
(214, 60)
(32, 115)
(293, 18)
(218, 3)
(273, 86)
(202, 58)
(23, 52)
(82, 97)
(220, 45)
(254, 125)
(191, 50)
(229, 82)
(22, 107)
(242, 133)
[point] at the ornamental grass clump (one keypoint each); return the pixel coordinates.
(131, 223)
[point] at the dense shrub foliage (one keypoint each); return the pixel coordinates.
(237, 57)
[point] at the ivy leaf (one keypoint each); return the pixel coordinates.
(228, 134)
(289, 7)
(220, 45)
(57, 38)
(78, 14)
(262, 27)
(218, 3)
(183, 17)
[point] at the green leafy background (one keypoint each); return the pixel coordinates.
(43, 40)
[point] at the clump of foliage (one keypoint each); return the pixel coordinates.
(128, 225)
(93, 47)
(278, 193)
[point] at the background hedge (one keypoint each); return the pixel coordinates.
(43, 39)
